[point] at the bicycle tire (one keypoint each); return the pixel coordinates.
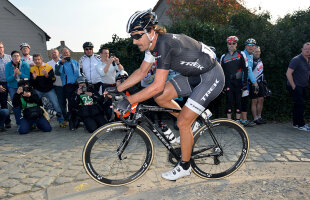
(100, 159)
(234, 141)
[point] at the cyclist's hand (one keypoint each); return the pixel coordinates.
(244, 88)
(123, 106)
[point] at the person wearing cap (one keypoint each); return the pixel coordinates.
(14, 72)
(249, 50)
(41, 79)
(87, 105)
(234, 65)
(30, 103)
(88, 64)
(297, 81)
(25, 49)
(69, 70)
(201, 78)
(4, 59)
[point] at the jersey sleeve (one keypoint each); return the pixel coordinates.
(148, 57)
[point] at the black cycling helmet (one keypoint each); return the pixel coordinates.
(81, 79)
(88, 44)
(250, 41)
(140, 20)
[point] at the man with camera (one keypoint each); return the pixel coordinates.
(87, 106)
(4, 59)
(69, 70)
(30, 103)
(14, 71)
(41, 79)
(107, 68)
(88, 63)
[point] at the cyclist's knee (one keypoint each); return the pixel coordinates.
(238, 111)
(229, 111)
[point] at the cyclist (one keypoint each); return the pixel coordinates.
(234, 66)
(201, 78)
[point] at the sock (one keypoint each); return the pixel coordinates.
(185, 165)
(259, 116)
(256, 118)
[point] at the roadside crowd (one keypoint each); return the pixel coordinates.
(74, 88)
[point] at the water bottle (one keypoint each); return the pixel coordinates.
(168, 133)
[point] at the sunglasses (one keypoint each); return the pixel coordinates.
(232, 43)
(137, 36)
(251, 45)
(88, 49)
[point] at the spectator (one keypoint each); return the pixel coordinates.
(87, 105)
(30, 103)
(234, 66)
(4, 59)
(14, 71)
(42, 78)
(258, 98)
(107, 68)
(4, 114)
(249, 50)
(58, 84)
(69, 71)
(25, 49)
(88, 63)
(298, 77)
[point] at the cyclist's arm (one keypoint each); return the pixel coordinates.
(156, 87)
(136, 76)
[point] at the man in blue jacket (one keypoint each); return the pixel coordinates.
(14, 71)
(69, 70)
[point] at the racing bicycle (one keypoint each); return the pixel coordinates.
(121, 152)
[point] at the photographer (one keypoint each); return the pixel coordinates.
(69, 70)
(107, 69)
(14, 71)
(87, 105)
(30, 103)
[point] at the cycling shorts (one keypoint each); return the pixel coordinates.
(200, 89)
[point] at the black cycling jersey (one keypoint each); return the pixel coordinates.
(234, 67)
(183, 54)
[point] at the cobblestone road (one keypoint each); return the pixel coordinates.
(31, 165)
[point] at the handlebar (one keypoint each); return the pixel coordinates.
(117, 96)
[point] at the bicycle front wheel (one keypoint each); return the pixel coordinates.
(214, 161)
(103, 162)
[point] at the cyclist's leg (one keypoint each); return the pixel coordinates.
(185, 121)
(165, 99)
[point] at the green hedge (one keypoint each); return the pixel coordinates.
(279, 44)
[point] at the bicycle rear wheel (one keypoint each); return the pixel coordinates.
(102, 162)
(213, 161)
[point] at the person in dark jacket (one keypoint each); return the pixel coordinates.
(87, 105)
(30, 103)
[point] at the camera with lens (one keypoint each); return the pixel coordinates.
(67, 58)
(27, 88)
(84, 89)
(113, 55)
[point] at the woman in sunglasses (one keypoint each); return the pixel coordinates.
(201, 78)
